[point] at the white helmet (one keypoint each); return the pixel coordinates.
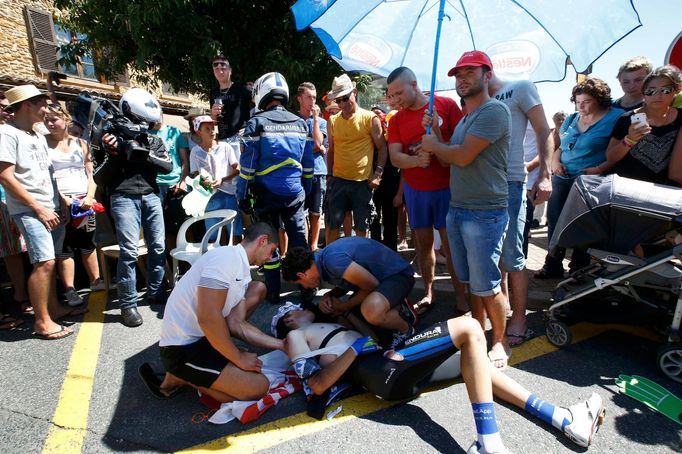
(268, 87)
(140, 105)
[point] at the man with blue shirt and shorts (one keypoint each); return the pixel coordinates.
(317, 127)
(477, 218)
(378, 277)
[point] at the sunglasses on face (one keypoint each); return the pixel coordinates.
(220, 64)
(342, 99)
(652, 91)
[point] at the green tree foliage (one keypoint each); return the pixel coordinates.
(174, 40)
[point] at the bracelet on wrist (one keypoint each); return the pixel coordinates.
(629, 141)
(627, 144)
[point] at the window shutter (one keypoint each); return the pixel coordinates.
(43, 39)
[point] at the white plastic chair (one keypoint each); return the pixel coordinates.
(190, 252)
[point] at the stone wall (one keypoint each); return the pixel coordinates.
(16, 58)
(17, 64)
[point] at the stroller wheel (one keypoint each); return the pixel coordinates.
(558, 333)
(670, 361)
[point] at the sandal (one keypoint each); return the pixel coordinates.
(61, 333)
(514, 340)
(25, 307)
(9, 322)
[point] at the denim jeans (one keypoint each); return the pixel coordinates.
(129, 212)
(561, 187)
(224, 201)
(475, 245)
(42, 245)
(512, 258)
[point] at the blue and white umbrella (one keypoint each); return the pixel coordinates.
(526, 39)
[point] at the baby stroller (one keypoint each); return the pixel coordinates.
(612, 216)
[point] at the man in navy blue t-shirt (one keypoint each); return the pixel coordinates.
(378, 277)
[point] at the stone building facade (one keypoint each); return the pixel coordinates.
(28, 51)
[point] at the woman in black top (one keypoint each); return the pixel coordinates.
(643, 151)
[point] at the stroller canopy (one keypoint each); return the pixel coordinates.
(615, 213)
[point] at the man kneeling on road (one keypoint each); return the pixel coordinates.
(380, 279)
(212, 303)
(325, 353)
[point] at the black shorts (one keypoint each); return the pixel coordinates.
(82, 239)
(396, 288)
(198, 363)
(389, 379)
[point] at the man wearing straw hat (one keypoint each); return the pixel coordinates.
(354, 133)
(34, 203)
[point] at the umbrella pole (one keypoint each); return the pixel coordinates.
(441, 14)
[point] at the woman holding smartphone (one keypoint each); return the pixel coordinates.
(645, 143)
(584, 138)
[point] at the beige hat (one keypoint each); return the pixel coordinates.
(194, 111)
(22, 93)
(341, 86)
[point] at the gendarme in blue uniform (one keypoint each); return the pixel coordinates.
(277, 153)
(380, 261)
(278, 156)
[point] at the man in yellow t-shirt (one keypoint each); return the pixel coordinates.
(354, 133)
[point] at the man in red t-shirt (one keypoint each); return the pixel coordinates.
(426, 180)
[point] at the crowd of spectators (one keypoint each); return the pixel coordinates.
(472, 181)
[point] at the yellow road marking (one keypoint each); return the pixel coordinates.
(298, 425)
(70, 419)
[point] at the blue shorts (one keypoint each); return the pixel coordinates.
(220, 201)
(41, 244)
(426, 209)
(512, 258)
(313, 201)
(475, 244)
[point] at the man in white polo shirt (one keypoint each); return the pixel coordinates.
(210, 305)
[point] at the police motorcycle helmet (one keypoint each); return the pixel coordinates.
(139, 105)
(268, 87)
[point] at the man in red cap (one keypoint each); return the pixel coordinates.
(477, 218)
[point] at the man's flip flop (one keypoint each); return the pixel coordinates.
(153, 382)
(515, 340)
(61, 333)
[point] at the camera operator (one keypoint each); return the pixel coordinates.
(131, 183)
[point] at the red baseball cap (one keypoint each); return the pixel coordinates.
(471, 58)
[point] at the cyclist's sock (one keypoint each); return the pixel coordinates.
(486, 427)
(556, 416)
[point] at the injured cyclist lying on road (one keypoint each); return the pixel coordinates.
(326, 355)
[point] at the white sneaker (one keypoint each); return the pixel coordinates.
(587, 417)
(474, 449)
(73, 298)
(97, 285)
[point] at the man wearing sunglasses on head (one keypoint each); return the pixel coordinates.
(230, 101)
(353, 133)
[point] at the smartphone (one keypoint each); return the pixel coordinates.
(639, 119)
